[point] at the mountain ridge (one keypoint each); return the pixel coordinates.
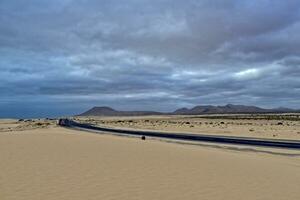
(197, 110)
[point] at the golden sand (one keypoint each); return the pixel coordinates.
(58, 163)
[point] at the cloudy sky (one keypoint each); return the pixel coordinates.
(62, 57)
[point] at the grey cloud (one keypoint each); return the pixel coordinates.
(159, 54)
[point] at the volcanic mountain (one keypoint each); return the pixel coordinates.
(229, 108)
(107, 111)
(198, 110)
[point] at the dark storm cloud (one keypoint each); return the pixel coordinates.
(139, 54)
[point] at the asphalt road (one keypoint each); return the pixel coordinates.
(288, 144)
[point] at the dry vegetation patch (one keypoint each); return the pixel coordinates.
(265, 125)
(25, 124)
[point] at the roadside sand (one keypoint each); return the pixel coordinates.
(11, 125)
(261, 128)
(56, 163)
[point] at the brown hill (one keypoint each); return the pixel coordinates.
(228, 109)
(107, 111)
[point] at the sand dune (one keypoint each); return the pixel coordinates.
(57, 163)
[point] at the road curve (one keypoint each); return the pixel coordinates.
(288, 144)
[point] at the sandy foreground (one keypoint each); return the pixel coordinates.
(57, 163)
